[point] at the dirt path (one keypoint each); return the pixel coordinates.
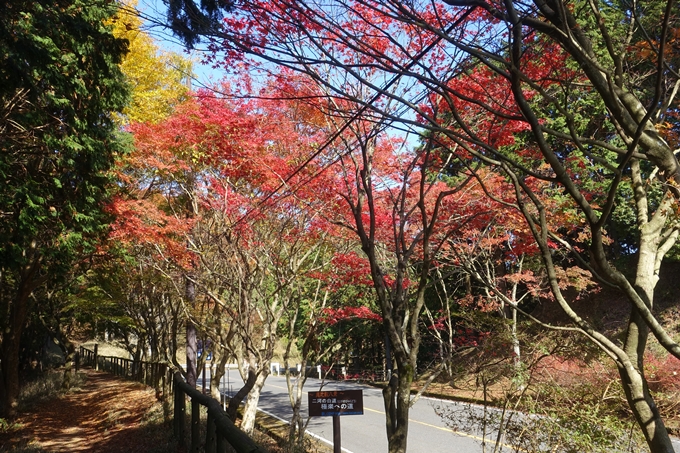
(102, 417)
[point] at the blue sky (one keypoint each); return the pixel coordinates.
(204, 74)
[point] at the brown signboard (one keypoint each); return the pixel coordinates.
(335, 402)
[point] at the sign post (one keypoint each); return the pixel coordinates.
(337, 442)
(335, 403)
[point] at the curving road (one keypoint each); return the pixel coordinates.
(366, 433)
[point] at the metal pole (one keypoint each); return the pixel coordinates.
(203, 379)
(336, 434)
(223, 390)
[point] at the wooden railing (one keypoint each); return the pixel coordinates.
(153, 374)
(220, 431)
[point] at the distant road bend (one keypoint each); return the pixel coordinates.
(366, 433)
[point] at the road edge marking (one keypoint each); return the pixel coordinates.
(307, 432)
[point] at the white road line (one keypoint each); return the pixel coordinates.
(309, 433)
(442, 428)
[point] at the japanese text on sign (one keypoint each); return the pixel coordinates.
(337, 402)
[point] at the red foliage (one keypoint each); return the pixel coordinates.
(663, 373)
(348, 269)
(333, 316)
(141, 222)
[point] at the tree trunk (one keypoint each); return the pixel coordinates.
(296, 427)
(645, 411)
(637, 393)
(397, 396)
(632, 373)
(235, 401)
(635, 385)
(216, 373)
(9, 351)
(296, 432)
(191, 338)
(9, 386)
(250, 411)
(69, 350)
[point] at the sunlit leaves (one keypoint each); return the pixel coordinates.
(158, 79)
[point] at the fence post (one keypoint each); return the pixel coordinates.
(77, 360)
(195, 427)
(211, 435)
(96, 357)
(180, 409)
(221, 444)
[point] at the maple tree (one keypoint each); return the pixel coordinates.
(128, 296)
(402, 212)
(156, 210)
(240, 251)
(562, 98)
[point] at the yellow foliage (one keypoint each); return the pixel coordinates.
(158, 79)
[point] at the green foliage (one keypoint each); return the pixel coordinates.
(60, 81)
(575, 420)
(6, 425)
(190, 21)
(60, 84)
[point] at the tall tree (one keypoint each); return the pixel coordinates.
(246, 249)
(159, 80)
(553, 94)
(60, 84)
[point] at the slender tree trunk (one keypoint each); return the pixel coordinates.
(69, 350)
(634, 382)
(296, 426)
(516, 351)
(250, 410)
(388, 358)
(216, 373)
(296, 429)
(235, 401)
(632, 374)
(137, 358)
(191, 337)
(9, 387)
(637, 391)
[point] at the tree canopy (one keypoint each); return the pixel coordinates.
(60, 85)
(572, 102)
(464, 158)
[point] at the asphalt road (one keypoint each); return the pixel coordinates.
(428, 433)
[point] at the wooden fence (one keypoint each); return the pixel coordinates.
(153, 374)
(220, 432)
